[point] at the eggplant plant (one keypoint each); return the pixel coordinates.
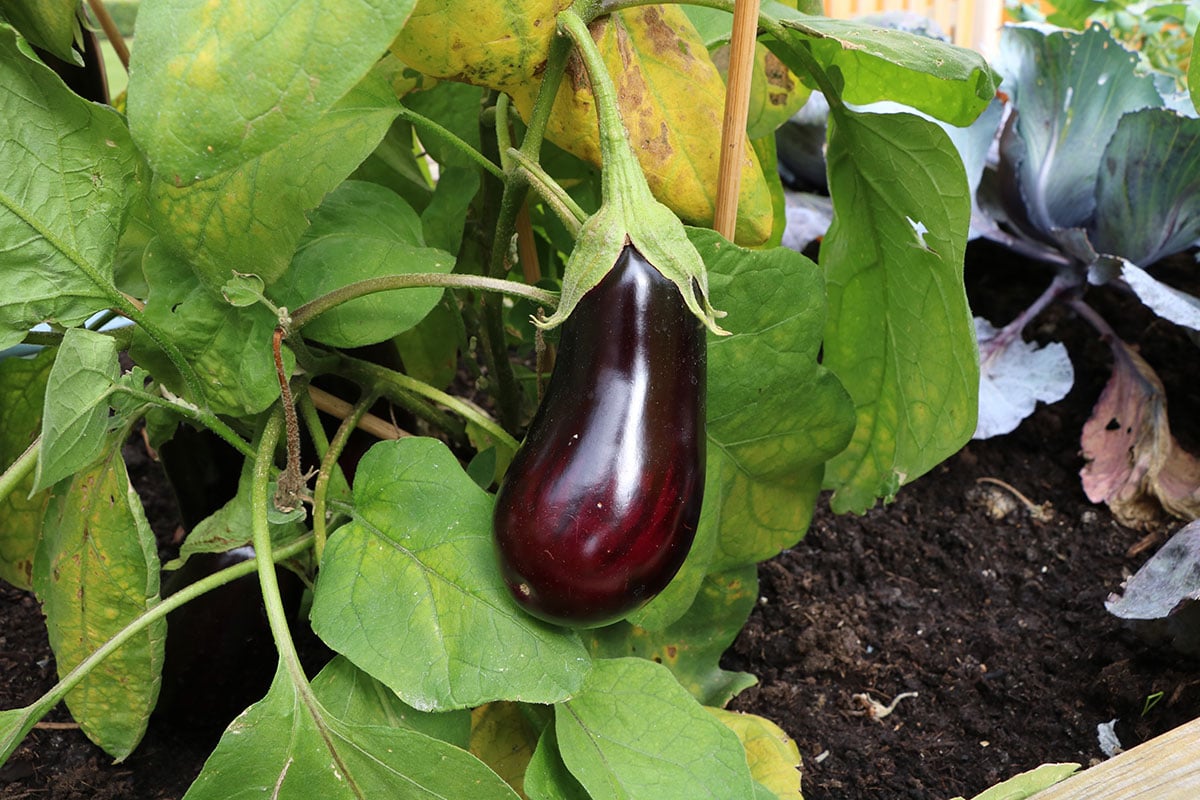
(299, 221)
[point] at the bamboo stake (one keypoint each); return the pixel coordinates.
(737, 106)
(110, 30)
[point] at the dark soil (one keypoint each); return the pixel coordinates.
(991, 611)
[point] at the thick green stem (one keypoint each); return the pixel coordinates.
(314, 308)
(551, 192)
(20, 469)
(261, 533)
(201, 416)
(40, 707)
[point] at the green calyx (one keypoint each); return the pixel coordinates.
(629, 213)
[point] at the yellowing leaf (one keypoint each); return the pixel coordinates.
(96, 569)
(22, 389)
(494, 43)
(773, 757)
(672, 99)
(503, 738)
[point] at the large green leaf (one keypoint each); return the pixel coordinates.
(775, 415)
(69, 174)
(22, 395)
(95, 571)
(231, 347)
(353, 696)
(74, 432)
(411, 592)
(250, 217)
(866, 64)
(899, 334)
(633, 732)
(290, 746)
(692, 646)
(214, 86)
(52, 25)
(547, 777)
(1071, 89)
(362, 231)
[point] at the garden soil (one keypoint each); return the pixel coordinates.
(929, 648)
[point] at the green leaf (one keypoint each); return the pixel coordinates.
(867, 64)
(547, 777)
(410, 590)
(353, 696)
(16, 723)
(215, 86)
(52, 25)
(230, 346)
(95, 571)
(773, 757)
(250, 218)
(1029, 783)
(899, 334)
(22, 396)
(455, 106)
(429, 351)
(362, 231)
(1193, 75)
(446, 215)
(692, 646)
(289, 746)
(504, 737)
(74, 432)
(633, 732)
(70, 173)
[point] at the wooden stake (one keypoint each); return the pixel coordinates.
(110, 30)
(737, 106)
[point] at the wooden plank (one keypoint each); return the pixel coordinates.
(1165, 768)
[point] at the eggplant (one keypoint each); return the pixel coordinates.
(599, 507)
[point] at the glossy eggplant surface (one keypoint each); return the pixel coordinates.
(600, 505)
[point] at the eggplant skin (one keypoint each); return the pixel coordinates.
(600, 505)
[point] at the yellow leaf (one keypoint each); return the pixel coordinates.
(671, 95)
(773, 757)
(503, 738)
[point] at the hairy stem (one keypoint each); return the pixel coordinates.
(421, 122)
(20, 469)
(329, 465)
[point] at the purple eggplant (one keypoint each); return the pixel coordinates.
(600, 505)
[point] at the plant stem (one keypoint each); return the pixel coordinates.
(370, 374)
(1062, 283)
(42, 706)
(292, 484)
(550, 191)
(420, 121)
(200, 416)
(20, 469)
(314, 308)
(329, 464)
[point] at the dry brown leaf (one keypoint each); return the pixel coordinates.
(1135, 465)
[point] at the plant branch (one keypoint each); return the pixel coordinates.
(369, 374)
(314, 308)
(1062, 283)
(420, 121)
(329, 464)
(550, 190)
(20, 469)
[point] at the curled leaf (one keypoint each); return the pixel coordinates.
(1135, 465)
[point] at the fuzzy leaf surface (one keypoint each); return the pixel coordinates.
(70, 173)
(411, 592)
(362, 231)
(22, 396)
(290, 746)
(214, 86)
(633, 731)
(95, 571)
(899, 332)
